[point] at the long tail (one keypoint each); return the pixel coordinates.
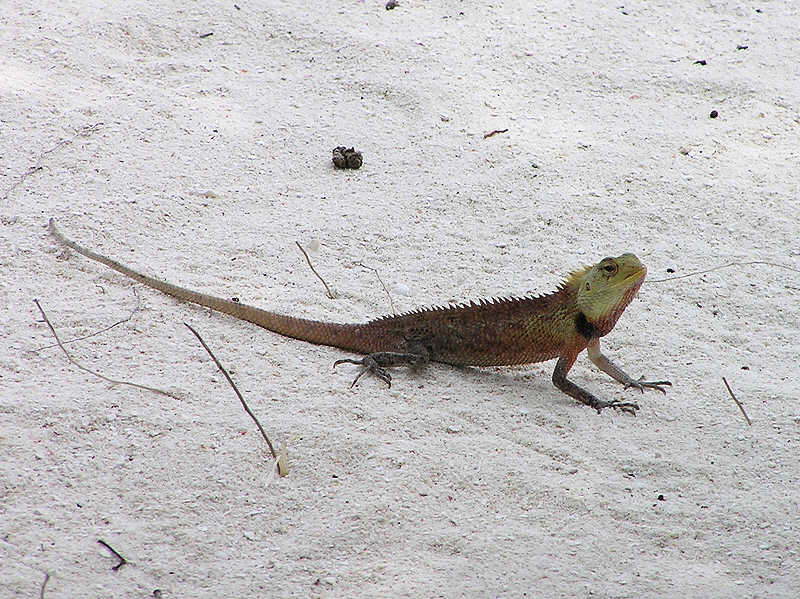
(344, 336)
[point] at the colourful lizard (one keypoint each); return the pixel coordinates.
(496, 332)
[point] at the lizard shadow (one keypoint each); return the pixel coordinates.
(523, 379)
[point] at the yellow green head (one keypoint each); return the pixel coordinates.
(607, 288)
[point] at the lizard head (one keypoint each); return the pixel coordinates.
(607, 288)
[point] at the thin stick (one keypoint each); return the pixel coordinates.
(738, 403)
(85, 132)
(377, 274)
(97, 374)
(495, 132)
(235, 390)
(44, 584)
(103, 330)
(702, 272)
(311, 266)
(122, 560)
(36, 167)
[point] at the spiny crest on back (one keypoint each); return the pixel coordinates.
(503, 301)
(574, 279)
(471, 304)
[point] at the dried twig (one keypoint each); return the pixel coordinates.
(37, 166)
(702, 272)
(280, 464)
(97, 374)
(495, 132)
(377, 274)
(311, 266)
(44, 584)
(122, 560)
(103, 330)
(738, 403)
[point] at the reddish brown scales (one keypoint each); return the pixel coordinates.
(497, 332)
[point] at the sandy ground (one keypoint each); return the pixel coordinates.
(203, 158)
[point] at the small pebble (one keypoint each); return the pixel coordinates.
(714, 114)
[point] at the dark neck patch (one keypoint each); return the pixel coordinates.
(585, 328)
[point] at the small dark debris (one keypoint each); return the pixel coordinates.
(122, 560)
(670, 270)
(758, 10)
(741, 47)
(745, 368)
(235, 300)
(392, 4)
(347, 158)
(205, 35)
(495, 132)
(714, 114)
(661, 498)
(702, 63)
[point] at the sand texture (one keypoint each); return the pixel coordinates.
(192, 140)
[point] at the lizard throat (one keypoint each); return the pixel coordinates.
(602, 324)
(585, 328)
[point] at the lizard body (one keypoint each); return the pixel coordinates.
(498, 332)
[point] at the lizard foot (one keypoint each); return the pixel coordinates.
(641, 384)
(369, 365)
(624, 406)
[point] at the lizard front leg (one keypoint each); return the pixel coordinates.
(560, 380)
(616, 373)
(377, 362)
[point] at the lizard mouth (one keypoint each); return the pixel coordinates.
(636, 275)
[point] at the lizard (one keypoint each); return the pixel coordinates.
(487, 332)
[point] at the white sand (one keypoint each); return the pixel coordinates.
(211, 157)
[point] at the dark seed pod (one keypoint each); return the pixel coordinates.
(354, 159)
(339, 160)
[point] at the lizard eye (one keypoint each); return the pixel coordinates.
(610, 268)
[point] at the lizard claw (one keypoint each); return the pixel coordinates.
(369, 365)
(642, 384)
(629, 408)
(624, 406)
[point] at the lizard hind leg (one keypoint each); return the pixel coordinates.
(377, 362)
